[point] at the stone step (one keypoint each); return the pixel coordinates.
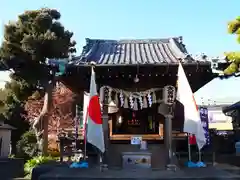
(138, 175)
(179, 178)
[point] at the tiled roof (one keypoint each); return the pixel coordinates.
(147, 51)
(232, 107)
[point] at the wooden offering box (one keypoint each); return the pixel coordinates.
(133, 160)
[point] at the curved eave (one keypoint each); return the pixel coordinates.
(184, 63)
(230, 108)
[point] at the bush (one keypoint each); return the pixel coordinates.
(27, 146)
(36, 161)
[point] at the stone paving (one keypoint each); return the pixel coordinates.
(64, 173)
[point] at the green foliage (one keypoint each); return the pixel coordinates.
(233, 57)
(36, 161)
(11, 156)
(28, 42)
(27, 145)
(35, 37)
(12, 111)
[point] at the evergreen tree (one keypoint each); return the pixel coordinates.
(233, 57)
(28, 43)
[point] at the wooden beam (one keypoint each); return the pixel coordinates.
(146, 136)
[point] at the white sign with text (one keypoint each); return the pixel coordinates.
(136, 140)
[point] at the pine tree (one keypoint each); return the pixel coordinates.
(28, 43)
(233, 57)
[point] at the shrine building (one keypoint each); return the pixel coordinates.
(131, 75)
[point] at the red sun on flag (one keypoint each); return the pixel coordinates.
(195, 102)
(94, 110)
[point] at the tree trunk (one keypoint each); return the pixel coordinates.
(40, 125)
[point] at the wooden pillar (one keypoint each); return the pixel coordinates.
(105, 127)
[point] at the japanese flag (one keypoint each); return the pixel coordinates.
(94, 117)
(192, 121)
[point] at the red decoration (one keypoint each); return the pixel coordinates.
(94, 110)
(192, 140)
(133, 121)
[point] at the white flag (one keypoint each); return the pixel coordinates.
(192, 121)
(94, 119)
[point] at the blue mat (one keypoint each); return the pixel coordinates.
(201, 164)
(190, 164)
(82, 164)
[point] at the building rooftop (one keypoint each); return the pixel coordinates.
(138, 51)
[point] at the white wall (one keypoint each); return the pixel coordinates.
(5, 134)
(218, 120)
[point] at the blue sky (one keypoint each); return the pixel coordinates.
(203, 24)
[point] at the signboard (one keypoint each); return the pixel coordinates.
(136, 161)
(204, 120)
(136, 140)
(218, 117)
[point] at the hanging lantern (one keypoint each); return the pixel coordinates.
(112, 108)
(169, 95)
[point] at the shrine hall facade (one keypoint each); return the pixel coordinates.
(130, 76)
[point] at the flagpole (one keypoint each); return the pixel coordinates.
(76, 129)
(189, 148)
(85, 135)
(199, 155)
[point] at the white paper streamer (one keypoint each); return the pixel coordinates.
(141, 102)
(121, 99)
(135, 105)
(131, 101)
(149, 99)
(126, 98)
